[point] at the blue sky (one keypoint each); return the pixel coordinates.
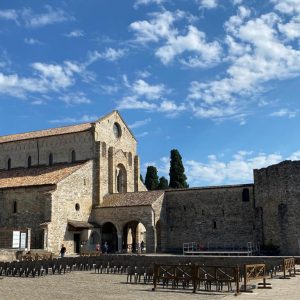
(216, 79)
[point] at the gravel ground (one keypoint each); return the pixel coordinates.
(88, 285)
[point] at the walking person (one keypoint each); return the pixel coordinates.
(62, 251)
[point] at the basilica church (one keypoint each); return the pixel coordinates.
(80, 186)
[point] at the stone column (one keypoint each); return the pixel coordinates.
(28, 239)
(150, 239)
(119, 248)
(111, 171)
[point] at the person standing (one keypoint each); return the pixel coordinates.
(62, 251)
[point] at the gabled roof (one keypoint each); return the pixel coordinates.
(37, 176)
(46, 132)
(131, 199)
(116, 112)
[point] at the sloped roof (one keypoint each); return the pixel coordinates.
(43, 175)
(45, 133)
(131, 199)
(80, 224)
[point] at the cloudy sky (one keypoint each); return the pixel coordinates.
(216, 79)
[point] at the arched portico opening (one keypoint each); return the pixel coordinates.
(94, 240)
(134, 237)
(109, 235)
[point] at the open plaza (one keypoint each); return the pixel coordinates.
(90, 285)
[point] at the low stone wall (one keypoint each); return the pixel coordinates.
(7, 255)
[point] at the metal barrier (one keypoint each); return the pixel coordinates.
(289, 268)
(195, 276)
(255, 272)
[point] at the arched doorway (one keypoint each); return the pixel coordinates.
(109, 235)
(134, 237)
(121, 179)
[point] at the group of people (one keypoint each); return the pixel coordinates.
(105, 248)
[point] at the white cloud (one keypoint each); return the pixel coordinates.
(207, 3)
(51, 16)
(109, 54)
(190, 46)
(205, 54)
(143, 134)
(147, 2)
(32, 41)
(9, 14)
(284, 112)
(150, 92)
(75, 33)
(257, 54)
(237, 170)
(287, 6)
(82, 119)
(138, 124)
(30, 19)
(73, 98)
(160, 26)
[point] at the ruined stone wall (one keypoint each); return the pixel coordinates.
(60, 146)
(75, 189)
(277, 194)
(33, 207)
(218, 216)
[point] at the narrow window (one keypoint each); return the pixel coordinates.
(15, 207)
(246, 196)
(215, 225)
(50, 159)
(29, 162)
(130, 159)
(203, 213)
(73, 155)
(9, 164)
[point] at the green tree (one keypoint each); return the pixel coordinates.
(163, 183)
(151, 179)
(177, 176)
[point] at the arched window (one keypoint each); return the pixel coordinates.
(29, 162)
(121, 179)
(9, 164)
(50, 159)
(15, 207)
(73, 156)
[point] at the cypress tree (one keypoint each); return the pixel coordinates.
(177, 176)
(151, 179)
(163, 183)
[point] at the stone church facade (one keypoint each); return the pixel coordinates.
(80, 185)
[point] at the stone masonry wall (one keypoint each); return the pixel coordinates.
(39, 149)
(75, 189)
(277, 194)
(218, 216)
(122, 149)
(33, 208)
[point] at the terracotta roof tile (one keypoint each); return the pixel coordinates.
(44, 175)
(46, 132)
(131, 199)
